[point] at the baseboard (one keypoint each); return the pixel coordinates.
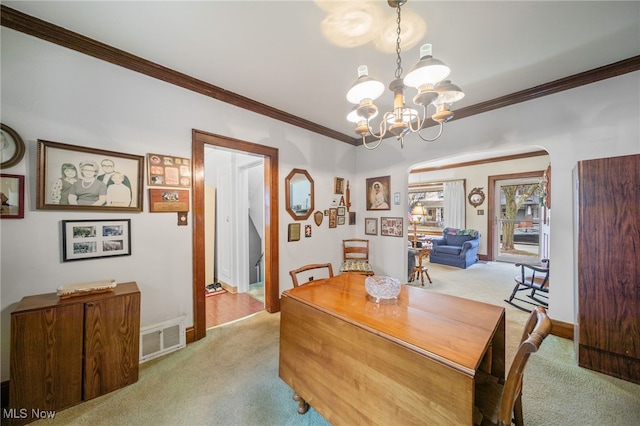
(230, 288)
(562, 329)
(190, 335)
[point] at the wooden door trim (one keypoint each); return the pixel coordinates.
(490, 206)
(271, 255)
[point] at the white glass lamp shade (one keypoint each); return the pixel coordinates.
(418, 210)
(448, 92)
(428, 71)
(365, 87)
(354, 117)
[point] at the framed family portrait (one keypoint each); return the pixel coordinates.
(371, 226)
(378, 193)
(12, 195)
(391, 226)
(90, 239)
(79, 178)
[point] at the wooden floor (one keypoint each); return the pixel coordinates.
(226, 307)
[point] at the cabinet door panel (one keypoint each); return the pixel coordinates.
(112, 330)
(46, 358)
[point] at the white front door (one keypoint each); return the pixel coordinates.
(517, 220)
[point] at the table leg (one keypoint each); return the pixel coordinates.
(303, 407)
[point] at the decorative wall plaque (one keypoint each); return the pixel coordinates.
(476, 197)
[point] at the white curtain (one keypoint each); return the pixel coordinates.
(454, 204)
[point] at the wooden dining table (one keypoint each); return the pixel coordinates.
(410, 360)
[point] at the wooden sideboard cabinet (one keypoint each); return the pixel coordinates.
(65, 351)
(607, 269)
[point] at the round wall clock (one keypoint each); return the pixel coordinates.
(11, 147)
(476, 197)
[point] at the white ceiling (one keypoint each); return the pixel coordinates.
(274, 51)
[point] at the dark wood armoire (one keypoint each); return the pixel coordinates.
(607, 202)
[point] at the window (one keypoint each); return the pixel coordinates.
(431, 196)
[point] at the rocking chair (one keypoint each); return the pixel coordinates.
(535, 280)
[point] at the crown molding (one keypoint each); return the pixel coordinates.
(44, 30)
(482, 161)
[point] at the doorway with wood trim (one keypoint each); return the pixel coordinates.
(201, 140)
(516, 230)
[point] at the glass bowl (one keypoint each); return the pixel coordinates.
(380, 287)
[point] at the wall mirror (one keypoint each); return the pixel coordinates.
(299, 194)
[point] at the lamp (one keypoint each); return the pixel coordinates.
(417, 213)
(428, 76)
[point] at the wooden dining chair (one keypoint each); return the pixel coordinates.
(501, 403)
(323, 268)
(355, 256)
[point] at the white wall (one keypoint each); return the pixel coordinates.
(51, 93)
(55, 94)
(598, 120)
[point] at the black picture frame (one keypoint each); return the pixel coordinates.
(92, 239)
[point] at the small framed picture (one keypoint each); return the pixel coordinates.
(165, 170)
(342, 211)
(307, 231)
(91, 239)
(12, 195)
(341, 220)
(352, 218)
(293, 233)
(338, 185)
(391, 226)
(371, 226)
(333, 217)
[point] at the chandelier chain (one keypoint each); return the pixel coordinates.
(398, 49)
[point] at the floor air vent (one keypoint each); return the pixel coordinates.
(160, 339)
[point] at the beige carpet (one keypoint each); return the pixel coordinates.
(231, 377)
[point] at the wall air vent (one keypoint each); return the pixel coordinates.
(162, 338)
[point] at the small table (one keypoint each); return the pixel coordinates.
(420, 270)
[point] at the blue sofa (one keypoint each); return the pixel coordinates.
(456, 247)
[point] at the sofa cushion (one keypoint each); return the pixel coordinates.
(454, 231)
(454, 250)
(457, 240)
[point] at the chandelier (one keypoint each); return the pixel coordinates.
(428, 76)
